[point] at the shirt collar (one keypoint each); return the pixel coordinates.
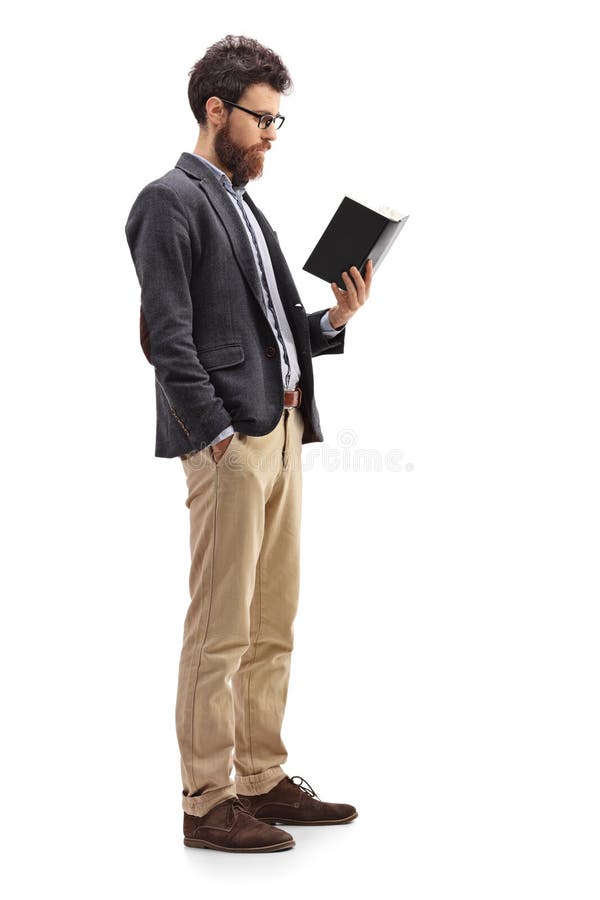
(224, 179)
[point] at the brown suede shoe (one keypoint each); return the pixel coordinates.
(229, 826)
(292, 804)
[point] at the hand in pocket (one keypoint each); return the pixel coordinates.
(218, 450)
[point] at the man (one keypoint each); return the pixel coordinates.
(223, 325)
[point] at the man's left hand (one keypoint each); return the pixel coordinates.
(350, 300)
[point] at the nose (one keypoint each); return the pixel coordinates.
(271, 131)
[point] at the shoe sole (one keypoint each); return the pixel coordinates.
(298, 822)
(269, 848)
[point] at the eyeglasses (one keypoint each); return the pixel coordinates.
(264, 121)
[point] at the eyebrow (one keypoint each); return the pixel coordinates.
(266, 112)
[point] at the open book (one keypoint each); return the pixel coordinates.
(354, 234)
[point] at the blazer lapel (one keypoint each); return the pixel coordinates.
(232, 223)
(287, 288)
(288, 292)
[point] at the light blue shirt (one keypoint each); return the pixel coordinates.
(265, 258)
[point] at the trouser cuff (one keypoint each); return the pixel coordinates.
(199, 806)
(260, 783)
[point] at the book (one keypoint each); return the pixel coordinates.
(355, 233)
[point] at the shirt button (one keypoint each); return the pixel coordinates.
(270, 352)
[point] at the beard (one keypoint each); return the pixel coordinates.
(245, 163)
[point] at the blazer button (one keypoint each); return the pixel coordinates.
(270, 352)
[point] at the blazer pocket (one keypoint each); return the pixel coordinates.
(220, 357)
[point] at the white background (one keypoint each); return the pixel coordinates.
(445, 671)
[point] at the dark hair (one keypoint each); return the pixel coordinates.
(229, 67)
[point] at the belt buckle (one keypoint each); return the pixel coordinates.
(297, 390)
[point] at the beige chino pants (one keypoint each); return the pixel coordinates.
(244, 583)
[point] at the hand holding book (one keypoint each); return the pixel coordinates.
(351, 299)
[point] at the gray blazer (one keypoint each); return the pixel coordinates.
(203, 325)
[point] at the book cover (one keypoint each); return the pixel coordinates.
(355, 233)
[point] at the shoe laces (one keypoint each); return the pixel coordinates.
(308, 789)
(235, 805)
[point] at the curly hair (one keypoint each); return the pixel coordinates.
(229, 67)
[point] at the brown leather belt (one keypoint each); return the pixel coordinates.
(292, 398)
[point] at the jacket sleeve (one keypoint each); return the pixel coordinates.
(158, 236)
(319, 342)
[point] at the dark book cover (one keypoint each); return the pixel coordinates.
(354, 234)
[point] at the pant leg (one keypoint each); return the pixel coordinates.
(227, 502)
(260, 685)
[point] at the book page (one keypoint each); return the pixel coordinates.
(386, 211)
(390, 213)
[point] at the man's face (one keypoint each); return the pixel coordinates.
(240, 144)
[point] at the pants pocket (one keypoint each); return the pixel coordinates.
(223, 456)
